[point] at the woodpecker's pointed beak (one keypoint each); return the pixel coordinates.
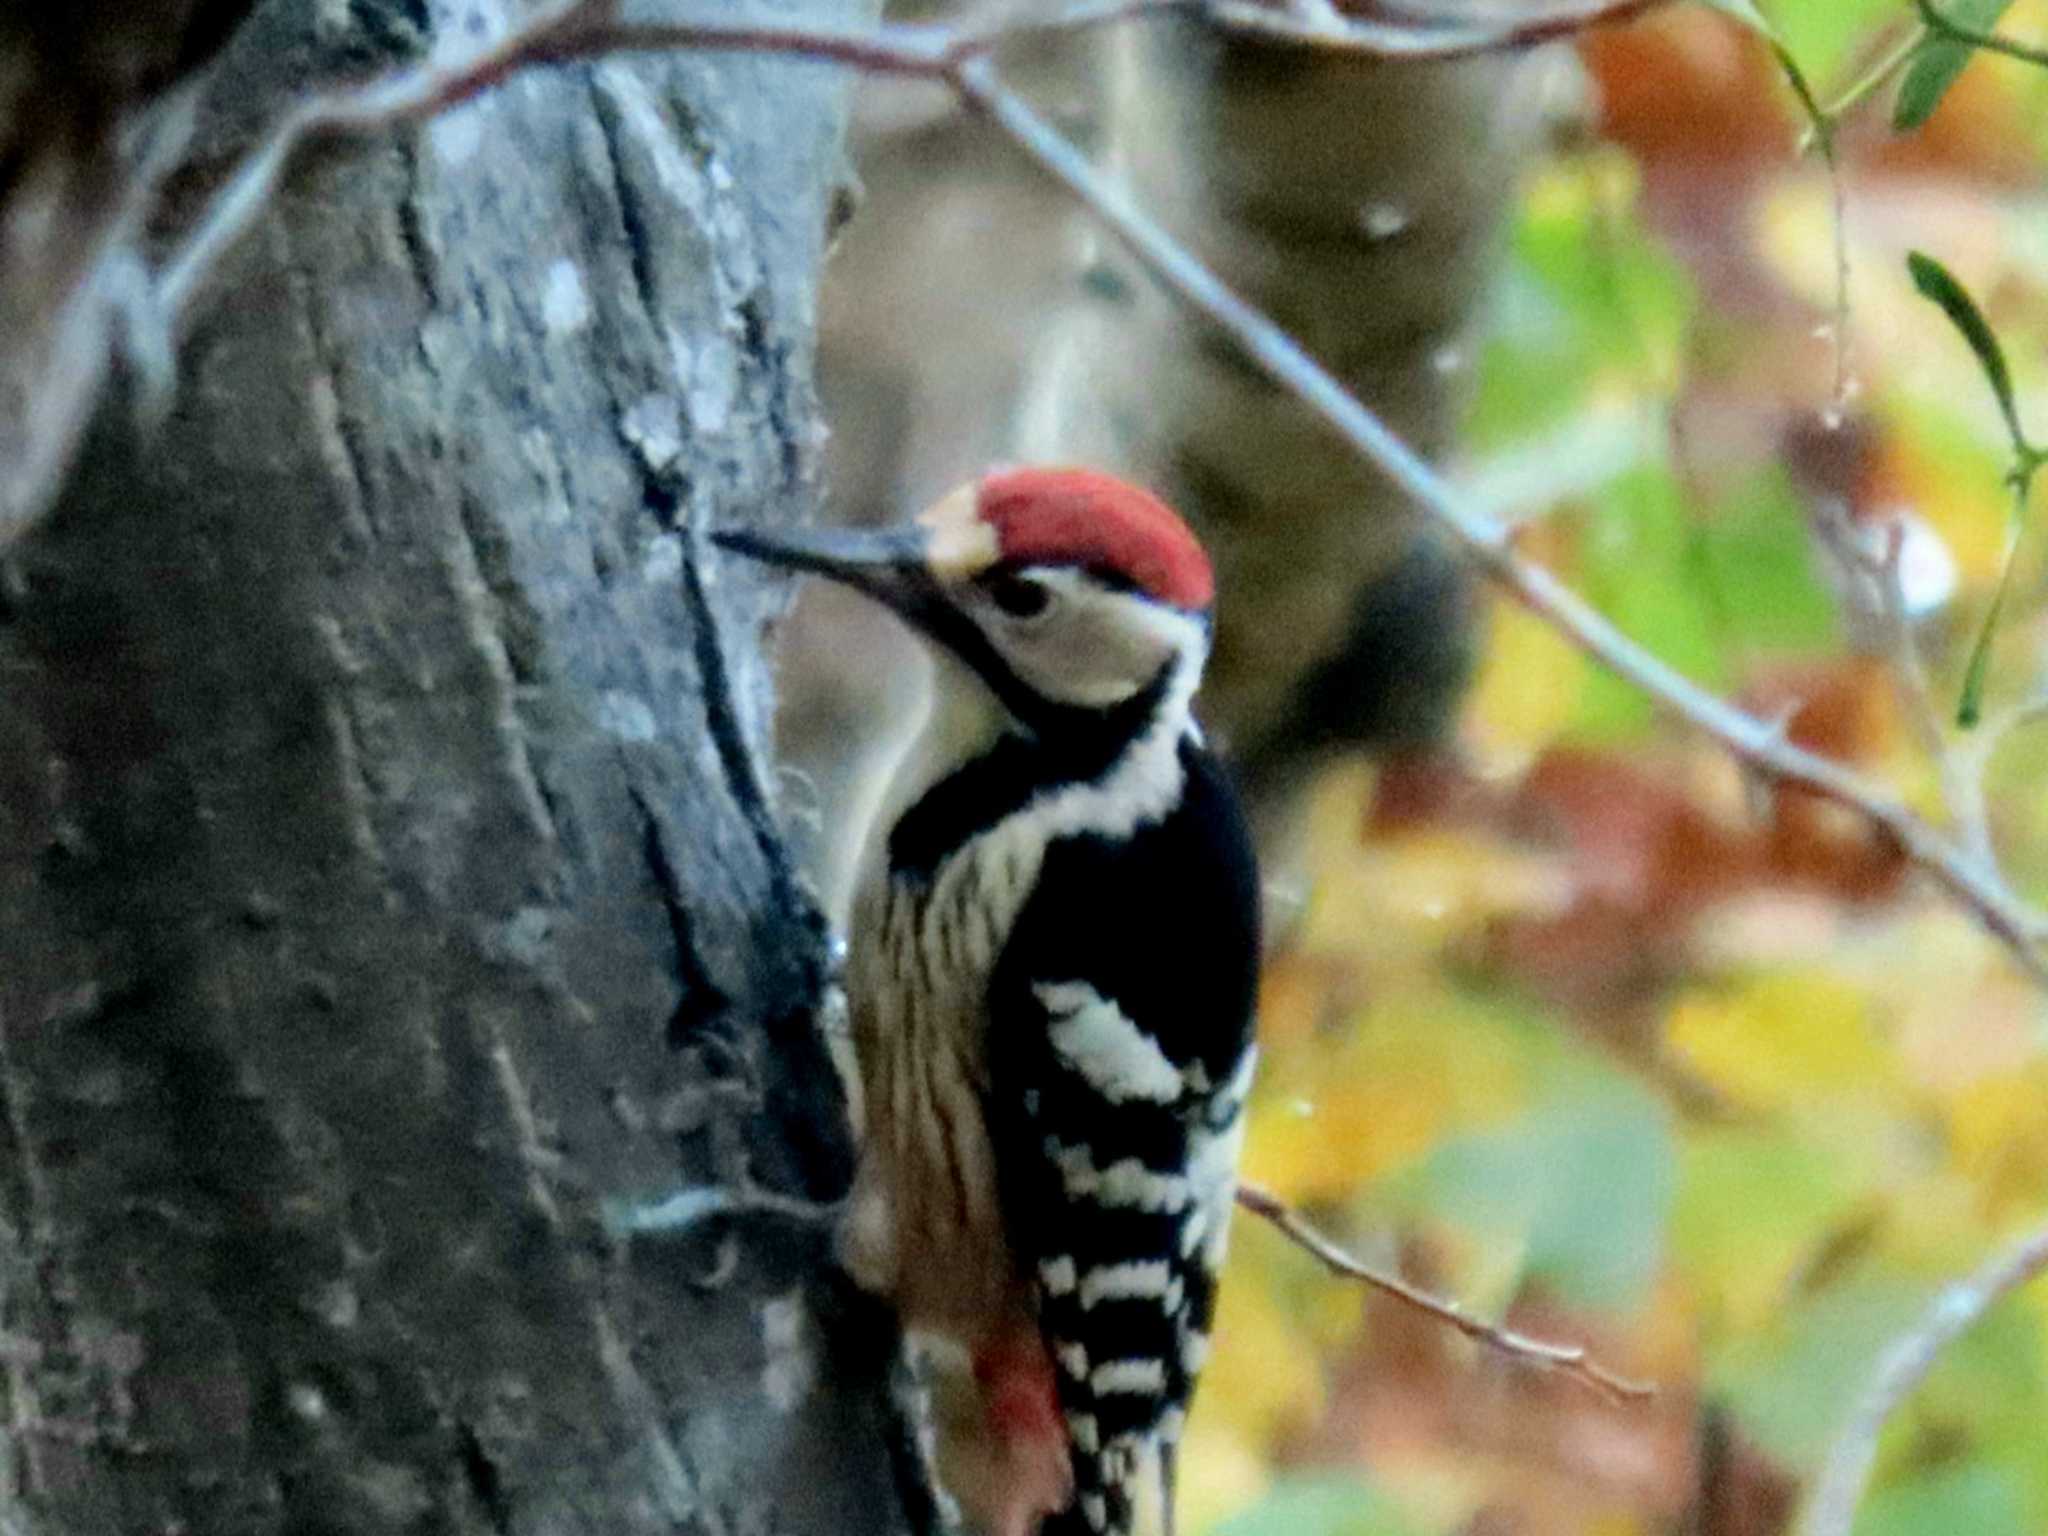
(890, 565)
(907, 567)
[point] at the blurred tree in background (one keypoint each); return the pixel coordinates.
(1582, 1023)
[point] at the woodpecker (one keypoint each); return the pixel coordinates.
(1051, 970)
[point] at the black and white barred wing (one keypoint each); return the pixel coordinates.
(1120, 1055)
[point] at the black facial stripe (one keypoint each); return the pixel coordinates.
(1070, 745)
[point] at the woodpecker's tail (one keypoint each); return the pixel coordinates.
(1110, 1501)
(1131, 1492)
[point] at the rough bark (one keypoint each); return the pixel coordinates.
(393, 916)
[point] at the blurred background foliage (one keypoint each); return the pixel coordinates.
(1574, 1022)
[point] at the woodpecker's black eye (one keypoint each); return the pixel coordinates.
(1019, 597)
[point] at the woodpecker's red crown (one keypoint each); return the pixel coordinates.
(1067, 516)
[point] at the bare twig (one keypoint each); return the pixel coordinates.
(1757, 743)
(1441, 41)
(2028, 711)
(580, 29)
(589, 29)
(1820, 132)
(1962, 775)
(1902, 649)
(686, 1209)
(1832, 1508)
(1876, 589)
(1569, 1359)
(1864, 85)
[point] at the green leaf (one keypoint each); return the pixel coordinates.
(1827, 36)
(1956, 1501)
(1327, 1504)
(1757, 550)
(1935, 67)
(1585, 1182)
(1589, 298)
(1970, 708)
(1935, 282)
(1638, 563)
(1754, 1203)
(1788, 1382)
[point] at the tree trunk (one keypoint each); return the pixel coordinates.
(393, 916)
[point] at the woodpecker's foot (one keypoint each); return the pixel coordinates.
(913, 1455)
(688, 1209)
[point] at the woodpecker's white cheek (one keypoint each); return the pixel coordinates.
(1098, 647)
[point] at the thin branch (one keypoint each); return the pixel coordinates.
(1962, 778)
(2028, 711)
(590, 29)
(1861, 88)
(687, 1209)
(1990, 42)
(1832, 1509)
(1821, 130)
(1757, 743)
(403, 96)
(1569, 1359)
(1876, 588)
(1917, 694)
(1324, 27)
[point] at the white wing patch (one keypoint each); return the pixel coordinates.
(1135, 1278)
(1094, 1037)
(1126, 1182)
(1147, 1377)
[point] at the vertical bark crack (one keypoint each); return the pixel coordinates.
(481, 1474)
(729, 738)
(632, 217)
(703, 1001)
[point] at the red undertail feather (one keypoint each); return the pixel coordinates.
(1033, 1474)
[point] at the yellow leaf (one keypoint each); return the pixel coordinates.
(1754, 1206)
(1776, 1041)
(1998, 1139)
(1393, 907)
(1324, 1148)
(1351, 1105)
(1262, 1376)
(1526, 694)
(1220, 1473)
(1795, 234)
(1957, 484)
